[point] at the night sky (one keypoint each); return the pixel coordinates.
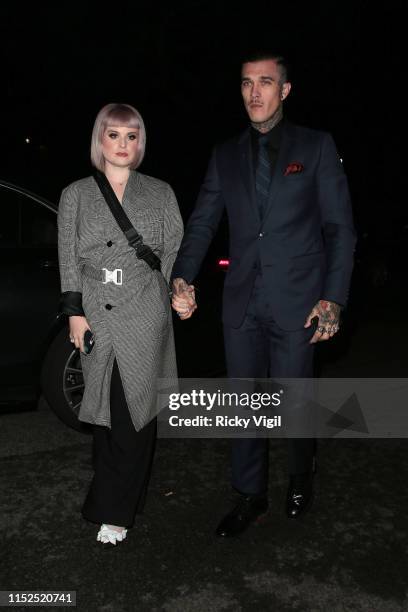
(178, 64)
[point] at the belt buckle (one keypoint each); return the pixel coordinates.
(112, 276)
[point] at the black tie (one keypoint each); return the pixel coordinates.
(263, 174)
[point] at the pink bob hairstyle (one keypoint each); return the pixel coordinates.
(116, 115)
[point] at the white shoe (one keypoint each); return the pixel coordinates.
(106, 534)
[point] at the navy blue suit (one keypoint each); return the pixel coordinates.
(280, 266)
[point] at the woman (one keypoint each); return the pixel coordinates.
(125, 304)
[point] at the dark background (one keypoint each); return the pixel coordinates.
(178, 63)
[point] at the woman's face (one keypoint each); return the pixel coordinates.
(120, 145)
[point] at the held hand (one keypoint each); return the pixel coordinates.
(328, 318)
(183, 299)
(77, 329)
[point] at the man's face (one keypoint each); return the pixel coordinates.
(262, 90)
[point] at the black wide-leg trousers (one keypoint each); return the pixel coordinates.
(122, 461)
(261, 349)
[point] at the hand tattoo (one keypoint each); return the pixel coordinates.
(329, 316)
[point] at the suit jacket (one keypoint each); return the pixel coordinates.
(132, 321)
(305, 243)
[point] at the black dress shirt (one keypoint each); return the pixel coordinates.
(275, 137)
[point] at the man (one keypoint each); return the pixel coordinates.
(291, 257)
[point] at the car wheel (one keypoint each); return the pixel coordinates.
(62, 381)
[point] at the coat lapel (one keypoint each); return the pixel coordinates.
(132, 195)
(98, 201)
(131, 199)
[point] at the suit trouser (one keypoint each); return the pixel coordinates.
(122, 460)
(261, 349)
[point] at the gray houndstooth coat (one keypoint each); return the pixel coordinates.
(132, 321)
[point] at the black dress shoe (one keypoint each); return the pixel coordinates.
(248, 510)
(300, 494)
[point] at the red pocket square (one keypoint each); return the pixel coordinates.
(293, 168)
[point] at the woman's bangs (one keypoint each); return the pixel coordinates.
(122, 117)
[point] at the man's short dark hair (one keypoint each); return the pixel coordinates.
(260, 55)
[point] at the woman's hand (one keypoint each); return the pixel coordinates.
(77, 329)
(183, 301)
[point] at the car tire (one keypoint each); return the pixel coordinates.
(62, 381)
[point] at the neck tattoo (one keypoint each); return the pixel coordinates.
(269, 124)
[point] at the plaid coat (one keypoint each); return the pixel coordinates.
(132, 321)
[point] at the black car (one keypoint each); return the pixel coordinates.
(35, 349)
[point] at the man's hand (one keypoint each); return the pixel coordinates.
(328, 315)
(183, 300)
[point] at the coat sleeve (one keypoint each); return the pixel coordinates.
(201, 226)
(71, 284)
(173, 233)
(337, 223)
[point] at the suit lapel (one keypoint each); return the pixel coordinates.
(282, 161)
(246, 169)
